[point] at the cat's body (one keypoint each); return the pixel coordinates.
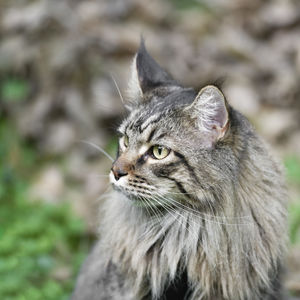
(199, 207)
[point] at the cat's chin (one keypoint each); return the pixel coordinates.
(144, 201)
(128, 195)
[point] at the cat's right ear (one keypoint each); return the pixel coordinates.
(210, 111)
(146, 75)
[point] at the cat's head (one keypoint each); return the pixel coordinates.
(168, 143)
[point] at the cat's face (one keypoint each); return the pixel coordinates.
(169, 130)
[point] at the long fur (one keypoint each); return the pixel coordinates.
(217, 213)
(230, 253)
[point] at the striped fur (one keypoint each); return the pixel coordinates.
(215, 212)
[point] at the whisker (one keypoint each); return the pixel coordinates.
(118, 89)
(152, 208)
(98, 175)
(205, 217)
(204, 214)
(153, 221)
(144, 202)
(98, 148)
(150, 226)
(105, 193)
(169, 209)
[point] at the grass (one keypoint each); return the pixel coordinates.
(37, 240)
(190, 4)
(292, 164)
(294, 221)
(14, 89)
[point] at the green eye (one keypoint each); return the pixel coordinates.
(160, 152)
(126, 141)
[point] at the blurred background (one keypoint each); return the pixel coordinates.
(58, 63)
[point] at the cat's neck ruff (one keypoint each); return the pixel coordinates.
(217, 252)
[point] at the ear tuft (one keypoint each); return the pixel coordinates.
(146, 75)
(134, 92)
(209, 109)
(150, 74)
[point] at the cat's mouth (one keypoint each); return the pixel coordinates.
(133, 187)
(144, 201)
(141, 193)
(131, 193)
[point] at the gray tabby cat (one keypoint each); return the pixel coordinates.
(199, 205)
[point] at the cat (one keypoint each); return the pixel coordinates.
(198, 209)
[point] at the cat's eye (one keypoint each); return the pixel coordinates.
(126, 141)
(160, 152)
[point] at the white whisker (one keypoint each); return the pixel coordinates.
(105, 193)
(98, 148)
(205, 214)
(172, 211)
(98, 175)
(205, 217)
(118, 89)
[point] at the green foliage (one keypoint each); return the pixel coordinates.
(112, 146)
(14, 89)
(294, 221)
(292, 165)
(190, 4)
(36, 239)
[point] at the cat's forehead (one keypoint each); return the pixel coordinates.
(157, 110)
(141, 123)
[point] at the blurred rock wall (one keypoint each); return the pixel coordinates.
(67, 52)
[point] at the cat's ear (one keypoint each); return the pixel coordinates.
(146, 75)
(210, 111)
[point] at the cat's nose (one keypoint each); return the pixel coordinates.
(118, 173)
(121, 167)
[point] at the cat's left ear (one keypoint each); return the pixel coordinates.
(210, 110)
(146, 75)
